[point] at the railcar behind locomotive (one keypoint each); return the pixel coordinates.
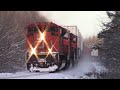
(51, 47)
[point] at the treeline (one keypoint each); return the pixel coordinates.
(90, 41)
(109, 42)
(12, 39)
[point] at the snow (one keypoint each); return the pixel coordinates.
(50, 68)
(85, 67)
(94, 52)
(79, 72)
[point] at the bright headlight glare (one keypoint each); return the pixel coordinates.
(33, 51)
(50, 51)
(42, 36)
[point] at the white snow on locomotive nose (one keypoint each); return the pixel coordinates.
(51, 68)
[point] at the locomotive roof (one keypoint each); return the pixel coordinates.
(46, 23)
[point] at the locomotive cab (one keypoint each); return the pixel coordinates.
(42, 45)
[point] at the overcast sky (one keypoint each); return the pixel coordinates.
(88, 22)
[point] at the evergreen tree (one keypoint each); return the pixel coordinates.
(109, 49)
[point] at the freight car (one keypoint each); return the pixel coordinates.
(51, 47)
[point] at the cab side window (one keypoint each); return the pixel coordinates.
(64, 33)
(74, 40)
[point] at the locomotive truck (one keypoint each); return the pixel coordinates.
(51, 47)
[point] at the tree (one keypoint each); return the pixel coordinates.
(89, 41)
(12, 38)
(109, 49)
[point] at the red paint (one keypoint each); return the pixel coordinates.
(62, 45)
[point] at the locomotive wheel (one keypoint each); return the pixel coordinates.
(31, 68)
(65, 67)
(59, 62)
(73, 60)
(28, 66)
(76, 59)
(76, 62)
(67, 63)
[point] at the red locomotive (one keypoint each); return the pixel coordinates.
(51, 47)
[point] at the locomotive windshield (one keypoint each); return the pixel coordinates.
(53, 29)
(31, 30)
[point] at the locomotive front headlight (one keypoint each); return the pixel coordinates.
(42, 36)
(33, 51)
(50, 51)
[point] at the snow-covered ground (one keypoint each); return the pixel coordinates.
(84, 67)
(79, 72)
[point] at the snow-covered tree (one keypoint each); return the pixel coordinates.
(109, 49)
(12, 38)
(90, 41)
